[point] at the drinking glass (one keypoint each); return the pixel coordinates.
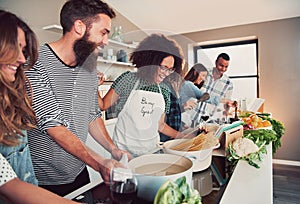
(123, 186)
(204, 118)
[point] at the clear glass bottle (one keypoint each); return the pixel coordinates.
(117, 34)
(120, 31)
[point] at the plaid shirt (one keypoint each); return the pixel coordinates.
(173, 118)
(221, 87)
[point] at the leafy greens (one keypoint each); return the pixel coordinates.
(176, 192)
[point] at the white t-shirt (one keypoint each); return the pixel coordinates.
(6, 172)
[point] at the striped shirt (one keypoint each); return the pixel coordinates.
(62, 95)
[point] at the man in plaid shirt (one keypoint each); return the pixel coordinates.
(218, 84)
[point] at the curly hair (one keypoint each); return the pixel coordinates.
(85, 10)
(150, 53)
(16, 113)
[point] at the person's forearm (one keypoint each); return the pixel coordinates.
(108, 100)
(226, 101)
(73, 145)
(98, 131)
(167, 130)
(96, 156)
(100, 101)
(17, 191)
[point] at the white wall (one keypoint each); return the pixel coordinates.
(279, 71)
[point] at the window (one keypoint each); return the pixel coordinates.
(243, 66)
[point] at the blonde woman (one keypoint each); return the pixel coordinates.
(18, 52)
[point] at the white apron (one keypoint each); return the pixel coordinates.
(136, 129)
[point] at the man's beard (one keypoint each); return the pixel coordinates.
(83, 48)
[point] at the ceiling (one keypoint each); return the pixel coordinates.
(177, 17)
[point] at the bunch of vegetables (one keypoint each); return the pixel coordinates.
(279, 131)
(252, 151)
(269, 136)
(260, 137)
(254, 121)
(177, 192)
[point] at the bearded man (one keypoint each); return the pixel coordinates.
(64, 83)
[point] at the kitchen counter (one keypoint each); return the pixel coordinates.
(250, 185)
(246, 185)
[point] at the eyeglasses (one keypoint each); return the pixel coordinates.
(166, 69)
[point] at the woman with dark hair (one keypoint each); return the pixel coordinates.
(18, 52)
(141, 99)
(197, 74)
(190, 91)
(194, 80)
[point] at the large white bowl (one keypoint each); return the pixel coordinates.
(201, 158)
(148, 170)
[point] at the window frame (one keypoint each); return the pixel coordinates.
(232, 43)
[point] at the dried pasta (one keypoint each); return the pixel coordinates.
(200, 142)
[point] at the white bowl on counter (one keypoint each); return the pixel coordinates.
(152, 170)
(201, 158)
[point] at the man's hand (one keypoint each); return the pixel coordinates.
(204, 97)
(231, 103)
(101, 78)
(117, 154)
(190, 104)
(105, 168)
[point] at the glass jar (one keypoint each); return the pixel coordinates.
(117, 34)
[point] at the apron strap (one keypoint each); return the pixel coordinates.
(136, 84)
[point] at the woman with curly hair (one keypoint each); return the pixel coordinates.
(141, 98)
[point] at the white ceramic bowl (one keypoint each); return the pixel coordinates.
(150, 171)
(201, 158)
